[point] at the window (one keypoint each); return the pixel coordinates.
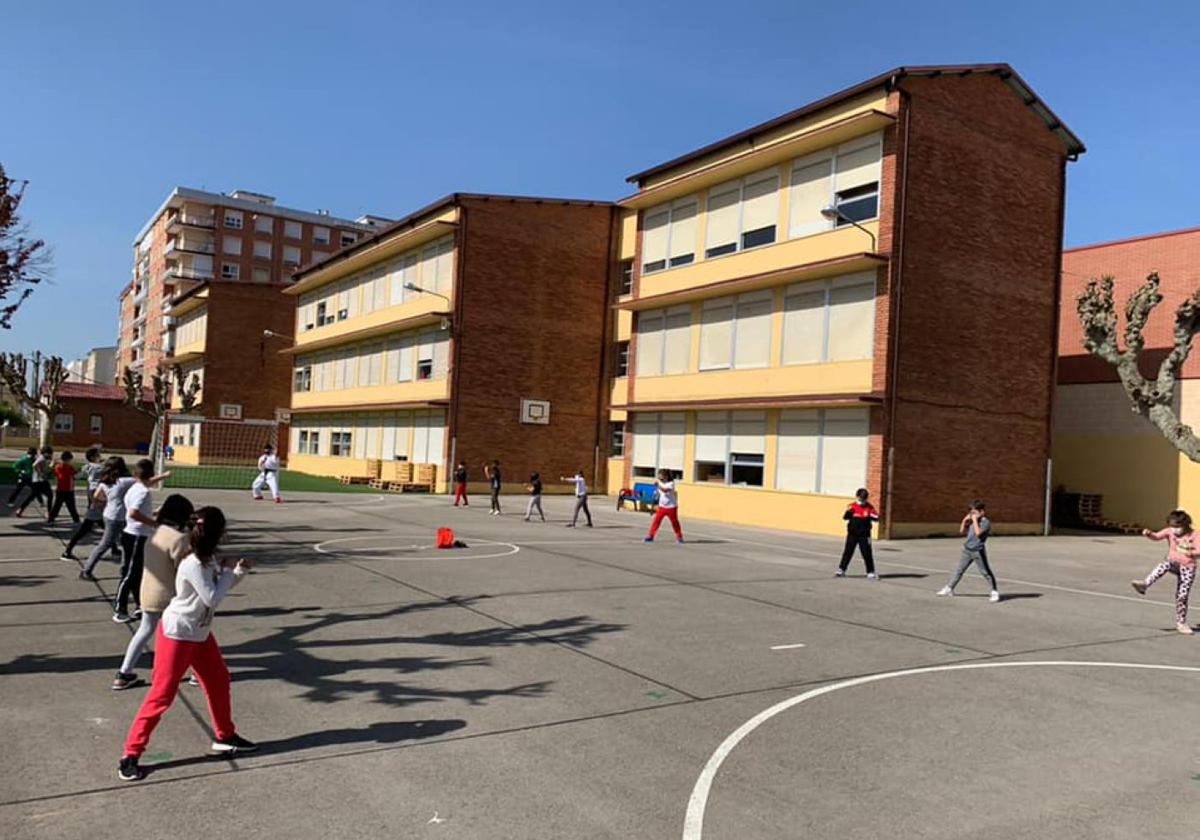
(347, 299)
(823, 451)
(658, 444)
(96, 424)
(302, 379)
(669, 235)
(322, 318)
(830, 321)
(622, 366)
(291, 255)
(317, 256)
(626, 287)
(376, 294)
(437, 266)
(308, 441)
(664, 341)
(429, 431)
(64, 422)
(348, 239)
(292, 230)
(230, 271)
(373, 365)
(730, 447)
(616, 440)
(340, 444)
(736, 332)
(262, 249)
(264, 224)
(742, 214)
(400, 357)
(231, 245)
(233, 219)
(846, 177)
(403, 270)
(425, 355)
(320, 236)
(262, 275)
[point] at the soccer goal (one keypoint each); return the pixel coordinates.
(217, 453)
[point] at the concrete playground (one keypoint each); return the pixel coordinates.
(545, 683)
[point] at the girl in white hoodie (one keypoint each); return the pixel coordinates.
(184, 640)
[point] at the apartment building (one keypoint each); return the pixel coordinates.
(471, 330)
(861, 292)
(99, 365)
(1100, 445)
(228, 335)
(197, 236)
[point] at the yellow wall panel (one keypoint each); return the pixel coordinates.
(760, 508)
(794, 380)
(401, 392)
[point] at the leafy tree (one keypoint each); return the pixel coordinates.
(24, 262)
(1152, 398)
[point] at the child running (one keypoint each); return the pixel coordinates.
(860, 515)
(668, 506)
(139, 526)
(268, 474)
(40, 480)
(976, 526)
(535, 497)
(184, 640)
(110, 495)
(64, 488)
(93, 512)
(23, 467)
(460, 484)
(1181, 562)
(164, 552)
(580, 497)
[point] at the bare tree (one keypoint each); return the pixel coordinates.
(14, 371)
(1151, 398)
(24, 262)
(187, 389)
(158, 406)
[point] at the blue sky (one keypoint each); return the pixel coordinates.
(381, 107)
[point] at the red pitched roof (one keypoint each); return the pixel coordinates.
(92, 391)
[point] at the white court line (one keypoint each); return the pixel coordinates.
(693, 824)
(946, 572)
(786, 647)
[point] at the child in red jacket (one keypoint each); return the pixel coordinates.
(860, 515)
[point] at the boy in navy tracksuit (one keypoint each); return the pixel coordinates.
(860, 515)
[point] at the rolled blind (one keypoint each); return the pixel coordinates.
(760, 203)
(441, 355)
(852, 320)
(389, 437)
(683, 229)
(721, 224)
(799, 444)
(670, 441)
(811, 192)
(403, 433)
(716, 334)
(445, 266)
(858, 163)
(712, 433)
(753, 336)
(645, 440)
(436, 439)
(654, 236)
(650, 328)
(844, 452)
(748, 434)
(804, 326)
(677, 348)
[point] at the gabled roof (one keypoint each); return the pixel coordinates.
(94, 391)
(1010, 76)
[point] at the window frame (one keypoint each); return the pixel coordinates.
(736, 303)
(345, 235)
(822, 415)
(616, 439)
(826, 287)
(231, 271)
(66, 425)
(233, 219)
(671, 207)
(290, 225)
(831, 154)
(318, 237)
(96, 424)
(739, 243)
(621, 362)
(731, 459)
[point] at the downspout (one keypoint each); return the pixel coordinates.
(456, 336)
(897, 289)
(603, 382)
(1058, 261)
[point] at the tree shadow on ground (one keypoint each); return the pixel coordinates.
(25, 581)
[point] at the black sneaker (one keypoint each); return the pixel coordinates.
(122, 618)
(68, 556)
(123, 681)
(234, 744)
(87, 576)
(128, 770)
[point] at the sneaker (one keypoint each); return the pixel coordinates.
(257, 498)
(279, 501)
(679, 541)
(122, 618)
(136, 614)
(994, 598)
(589, 524)
(872, 576)
(570, 524)
(191, 680)
(1185, 629)
(233, 744)
(648, 540)
(19, 514)
(1139, 586)
(128, 770)
(123, 681)
(88, 576)
(840, 573)
(67, 556)
(945, 590)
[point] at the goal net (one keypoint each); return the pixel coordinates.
(219, 453)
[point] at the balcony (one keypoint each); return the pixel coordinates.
(140, 293)
(192, 220)
(182, 245)
(183, 274)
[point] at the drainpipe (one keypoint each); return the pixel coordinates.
(456, 337)
(1062, 201)
(897, 287)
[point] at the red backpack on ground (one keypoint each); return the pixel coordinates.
(445, 538)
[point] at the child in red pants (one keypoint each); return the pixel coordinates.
(668, 506)
(184, 640)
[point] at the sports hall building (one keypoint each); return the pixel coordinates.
(861, 292)
(1100, 446)
(471, 330)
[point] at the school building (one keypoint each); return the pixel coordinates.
(861, 292)
(473, 329)
(228, 336)
(1100, 445)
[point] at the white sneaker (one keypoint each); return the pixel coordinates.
(840, 573)
(994, 598)
(945, 590)
(872, 576)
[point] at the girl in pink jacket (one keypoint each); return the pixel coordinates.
(1182, 548)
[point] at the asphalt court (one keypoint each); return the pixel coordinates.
(547, 682)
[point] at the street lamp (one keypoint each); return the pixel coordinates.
(833, 214)
(413, 287)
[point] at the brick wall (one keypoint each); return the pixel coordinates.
(241, 365)
(532, 307)
(979, 303)
(1175, 256)
(122, 428)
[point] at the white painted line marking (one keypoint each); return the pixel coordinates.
(693, 824)
(786, 647)
(438, 554)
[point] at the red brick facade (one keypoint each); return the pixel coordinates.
(122, 428)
